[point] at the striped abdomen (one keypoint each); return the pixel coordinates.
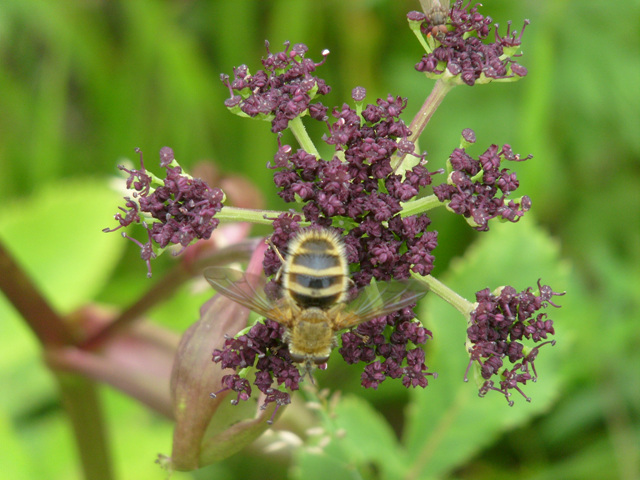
(316, 270)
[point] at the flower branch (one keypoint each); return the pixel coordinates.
(420, 205)
(300, 133)
(430, 105)
(257, 217)
(434, 285)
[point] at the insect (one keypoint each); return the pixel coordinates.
(314, 305)
(437, 12)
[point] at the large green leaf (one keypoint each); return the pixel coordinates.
(368, 437)
(318, 465)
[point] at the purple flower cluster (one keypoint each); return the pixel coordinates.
(498, 326)
(280, 92)
(184, 207)
(359, 186)
(477, 189)
(264, 342)
(462, 51)
(389, 355)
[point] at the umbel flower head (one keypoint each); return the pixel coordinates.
(498, 327)
(370, 191)
(478, 189)
(179, 210)
(279, 93)
(460, 52)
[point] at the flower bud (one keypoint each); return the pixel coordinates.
(209, 429)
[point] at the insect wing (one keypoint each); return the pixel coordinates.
(430, 6)
(381, 298)
(436, 11)
(241, 287)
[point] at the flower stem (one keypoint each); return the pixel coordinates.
(419, 122)
(236, 214)
(82, 404)
(464, 306)
(433, 101)
(415, 28)
(155, 180)
(421, 205)
(300, 132)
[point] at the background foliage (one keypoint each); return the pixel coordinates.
(83, 83)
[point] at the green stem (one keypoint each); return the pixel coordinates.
(300, 132)
(421, 205)
(235, 214)
(82, 404)
(440, 90)
(464, 306)
(433, 101)
(155, 180)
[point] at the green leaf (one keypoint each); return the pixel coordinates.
(14, 458)
(318, 465)
(56, 235)
(368, 437)
(21, 364)
(447, 423)
(356, 442)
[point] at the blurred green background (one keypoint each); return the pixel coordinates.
(83, 83)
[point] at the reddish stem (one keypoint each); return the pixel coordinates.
(167, 286)
(27, 299)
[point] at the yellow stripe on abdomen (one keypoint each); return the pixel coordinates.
(316, 272)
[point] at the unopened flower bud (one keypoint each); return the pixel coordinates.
(208, 427)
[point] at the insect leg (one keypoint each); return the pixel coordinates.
(275, 249)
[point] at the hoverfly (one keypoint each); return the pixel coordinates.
(437, 12)
(314, 304)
